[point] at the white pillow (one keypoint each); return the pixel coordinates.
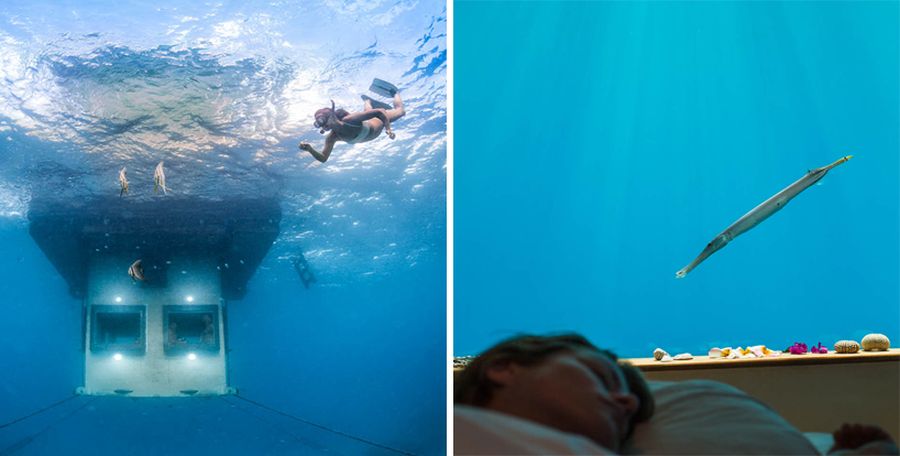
(478, 431)
(707, 417)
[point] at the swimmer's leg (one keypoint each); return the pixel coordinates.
(374, 104)
(398, 111)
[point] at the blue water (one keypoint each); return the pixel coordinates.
(223, 92)
(599, 146)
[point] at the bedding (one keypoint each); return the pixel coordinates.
(692, 417)
(707, 417)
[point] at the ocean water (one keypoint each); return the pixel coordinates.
(222, 92)
(599, 146)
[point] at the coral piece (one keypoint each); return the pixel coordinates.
(683, 356)
(875, 342)
(818, 349)
(846, 346)
(460, 362)
(798, 348)
(659, 354)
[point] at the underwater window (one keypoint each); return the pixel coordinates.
(191, 328)
(118, 328)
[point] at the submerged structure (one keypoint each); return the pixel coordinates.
(164, 335)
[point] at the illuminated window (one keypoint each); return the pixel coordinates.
(118, 328)
(191, 328)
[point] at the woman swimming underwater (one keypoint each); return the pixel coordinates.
(354, 127)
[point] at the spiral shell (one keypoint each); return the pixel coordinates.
(659, 354)
(846, 346)
(875, 342)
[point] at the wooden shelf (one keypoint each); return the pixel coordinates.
(705, 362)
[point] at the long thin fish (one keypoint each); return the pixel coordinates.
(760, 213)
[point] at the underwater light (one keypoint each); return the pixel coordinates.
(117, 357)
(118, 299)
(189, 298)
(192, 356)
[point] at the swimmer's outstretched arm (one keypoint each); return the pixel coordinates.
(326, 150)
(760, 213)
(380, 114)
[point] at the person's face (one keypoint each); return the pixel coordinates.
(324, 122)
(581, 392)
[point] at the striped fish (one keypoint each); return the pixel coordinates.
(159, 179)
(123, 181)
(136, 271)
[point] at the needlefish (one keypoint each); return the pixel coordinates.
(760, 213)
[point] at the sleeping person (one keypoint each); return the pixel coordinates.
(563, 395)
(560, 382)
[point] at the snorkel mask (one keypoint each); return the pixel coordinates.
(322, 116)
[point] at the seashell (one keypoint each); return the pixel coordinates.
(683, 356)
(659, 354)
(875, 342)
(715, 352)
(846, 346)
(757, 351)
(666, 358)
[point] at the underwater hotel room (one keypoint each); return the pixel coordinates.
(628, 275)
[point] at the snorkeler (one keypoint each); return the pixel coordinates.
(357, 127)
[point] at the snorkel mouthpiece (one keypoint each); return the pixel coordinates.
(322, 116)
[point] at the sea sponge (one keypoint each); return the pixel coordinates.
(846, 346)
(875, 342)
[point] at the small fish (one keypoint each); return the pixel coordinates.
(136, 271)
(123, 181)
(159, 179)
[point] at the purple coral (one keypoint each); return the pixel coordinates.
(798, 348)
(819, 349)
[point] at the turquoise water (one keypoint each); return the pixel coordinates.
(599, 146)
(223, 92)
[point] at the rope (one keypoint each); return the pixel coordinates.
(38, 411)
(27, 440)
(335, 431)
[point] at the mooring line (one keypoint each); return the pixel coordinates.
(27, 440)
(60, 402)
(326, 428)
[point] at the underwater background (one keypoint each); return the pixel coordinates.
(223, 92)
(599, 146)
